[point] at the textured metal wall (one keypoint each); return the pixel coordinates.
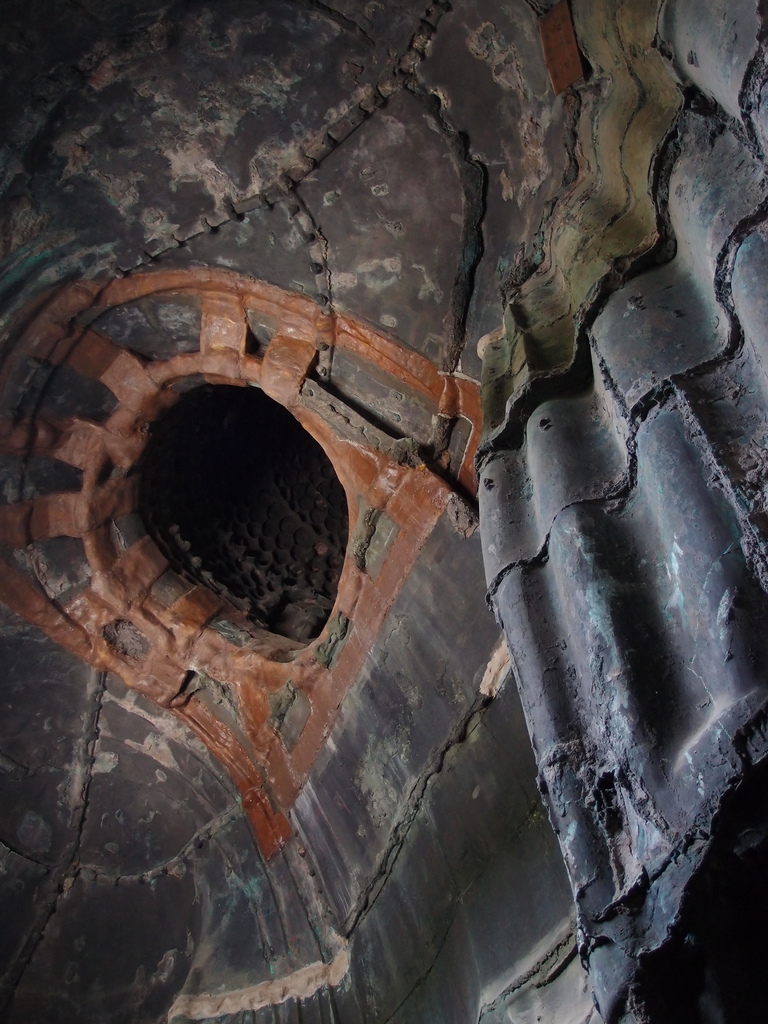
(624, 537)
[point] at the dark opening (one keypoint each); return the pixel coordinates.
(243, 500)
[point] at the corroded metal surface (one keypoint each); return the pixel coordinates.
(132, 616)
(561, 51)
(406, 175)
(623, 518)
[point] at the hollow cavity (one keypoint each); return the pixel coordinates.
(241, 499)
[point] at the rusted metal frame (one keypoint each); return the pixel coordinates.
(122, 584)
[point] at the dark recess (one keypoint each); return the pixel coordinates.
(243, 500)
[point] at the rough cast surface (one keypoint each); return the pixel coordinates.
(366, 209)
(621, 510)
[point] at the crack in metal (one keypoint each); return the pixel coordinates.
(422, 979)
(401, 829)
(62, 879)
(473, 175)
(204, 834)
(349, 24)
(551, 965)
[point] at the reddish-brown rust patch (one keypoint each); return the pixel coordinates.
(561, 51)
(172, 641)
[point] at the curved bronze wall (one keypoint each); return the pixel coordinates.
(365, 209)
